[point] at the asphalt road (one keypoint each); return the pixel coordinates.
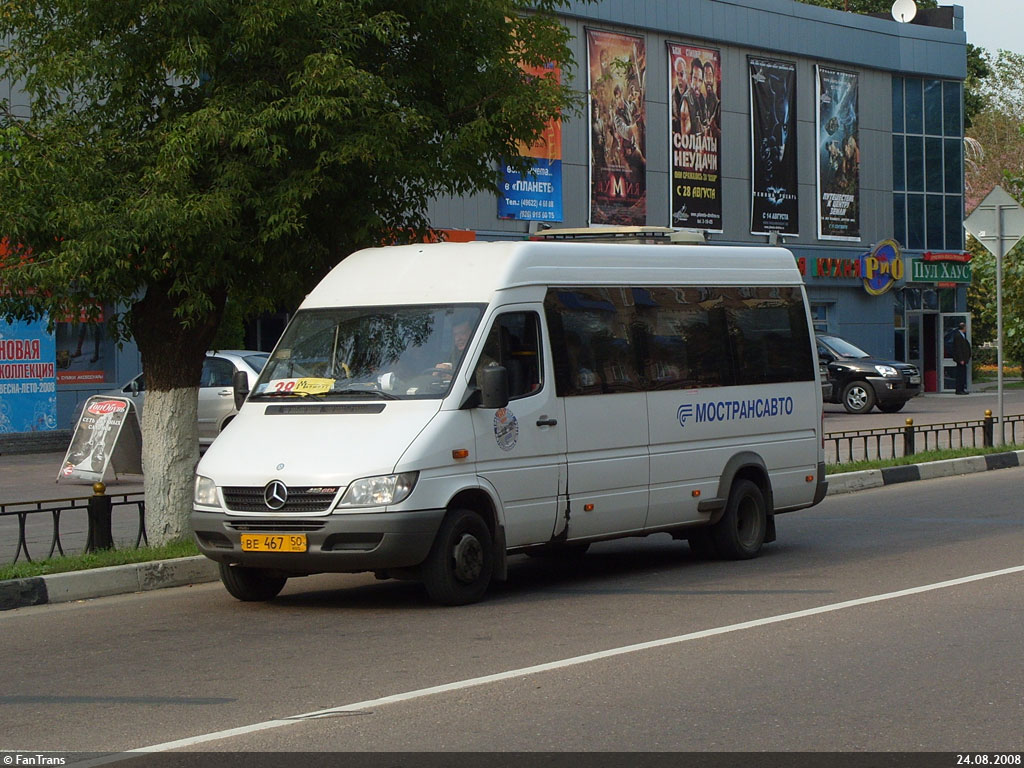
(884, 620)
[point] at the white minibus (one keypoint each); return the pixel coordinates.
(431, 410)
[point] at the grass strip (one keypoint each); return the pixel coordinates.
(99, 559)
(916, 458)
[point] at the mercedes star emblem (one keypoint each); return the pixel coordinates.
(275, 494)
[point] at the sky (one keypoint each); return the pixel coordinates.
(993, 24)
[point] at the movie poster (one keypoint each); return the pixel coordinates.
(616, 84)
(773, 199)
(838, 156)
(695, 128)
(537, 195)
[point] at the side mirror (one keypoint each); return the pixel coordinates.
(493, 381)
(240, 384)
(133, 386)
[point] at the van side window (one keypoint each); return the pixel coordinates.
(514, 342)
(676, 337)
(590, 330)
(770, 339)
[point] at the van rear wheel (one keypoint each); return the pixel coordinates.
(250, 584)
(740, 533)
(460, 564)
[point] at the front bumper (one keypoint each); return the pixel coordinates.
(893, 390)
(341, 543)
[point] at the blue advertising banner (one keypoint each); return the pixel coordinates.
(537, 196)
(28, 377)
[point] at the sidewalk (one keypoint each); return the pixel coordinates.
(33, 477)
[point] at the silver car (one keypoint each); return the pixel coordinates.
(216, 395)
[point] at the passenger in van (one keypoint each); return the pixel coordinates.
(580, 366)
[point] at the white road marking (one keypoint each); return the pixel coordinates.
(550, 666)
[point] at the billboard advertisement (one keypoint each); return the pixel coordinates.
(617, 94)
(28, 377)
(838, 155)
(537, 195)
(773, 195)
(695, 130)
(107, 434)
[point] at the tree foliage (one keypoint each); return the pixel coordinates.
(866, 6)
(996, 156)
(175, 153)
(201, 146)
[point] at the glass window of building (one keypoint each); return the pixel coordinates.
(927, 144)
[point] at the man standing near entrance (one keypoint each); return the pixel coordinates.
(961, 355)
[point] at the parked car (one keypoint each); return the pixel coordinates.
(860, 381)
(216, 395)
(826, 383)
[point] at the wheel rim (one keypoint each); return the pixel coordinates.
(468, 559)
(857, 397)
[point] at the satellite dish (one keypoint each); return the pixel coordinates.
(904, 10)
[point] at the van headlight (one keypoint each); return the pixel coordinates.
(379, 491)
(205, 492)
(887, 370)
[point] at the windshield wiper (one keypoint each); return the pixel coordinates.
(314, 395)
(370, 392)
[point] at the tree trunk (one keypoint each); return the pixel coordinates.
(172, 359)
(170, 452)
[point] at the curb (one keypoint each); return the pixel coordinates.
(849, 482)
(103, 582)
(160, 574)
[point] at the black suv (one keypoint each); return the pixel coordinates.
(860, 381)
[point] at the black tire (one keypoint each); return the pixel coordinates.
(740, 533)
(460, 564)
(251, 585)
(891, 407)
(702, 544)
(858, 397)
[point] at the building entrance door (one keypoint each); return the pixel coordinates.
(923, 347)
(950, 325)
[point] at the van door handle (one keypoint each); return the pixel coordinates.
(544, 421)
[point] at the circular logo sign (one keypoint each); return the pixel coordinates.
(882, 268)
(506, 429)
(275, 495)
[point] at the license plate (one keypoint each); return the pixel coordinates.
(273, 542)
(915, 379)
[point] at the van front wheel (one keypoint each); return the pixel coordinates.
(458, 569)
(250, 584)
(740, 533)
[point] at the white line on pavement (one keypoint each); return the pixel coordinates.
(548, 667)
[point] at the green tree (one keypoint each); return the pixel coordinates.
(866, 6)
(179, 152)
(995, 155)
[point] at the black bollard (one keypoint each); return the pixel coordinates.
(100, 535)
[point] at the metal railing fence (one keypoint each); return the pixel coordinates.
(896, 442)
(32, 531)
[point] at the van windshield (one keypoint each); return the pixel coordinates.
(408, 352)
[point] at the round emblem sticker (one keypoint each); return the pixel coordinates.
(506, 429)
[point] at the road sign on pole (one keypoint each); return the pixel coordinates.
(998, 224)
